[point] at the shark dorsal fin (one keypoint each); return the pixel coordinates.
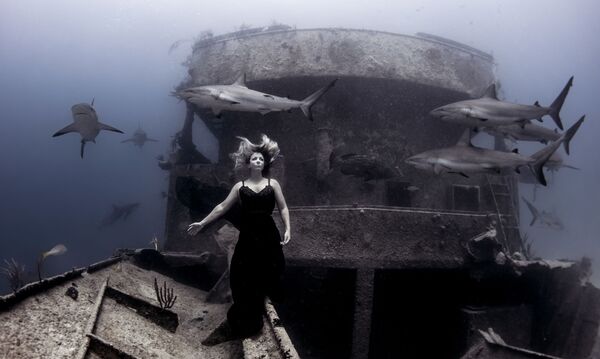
(490, 92)
(537, 104)
(241, 81)
(92, 104)
(465, 139)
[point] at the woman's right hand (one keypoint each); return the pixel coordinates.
(195, 227)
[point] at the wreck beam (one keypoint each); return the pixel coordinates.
(363, 313)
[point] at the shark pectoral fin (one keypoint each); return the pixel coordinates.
(106, 127)
(228, 99)
(67, 129)
(438, 169)
(462, 174)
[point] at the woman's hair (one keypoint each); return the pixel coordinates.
(267, 147)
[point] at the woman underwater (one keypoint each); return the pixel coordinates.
(257, 264)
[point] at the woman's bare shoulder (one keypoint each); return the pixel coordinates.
(275, 183)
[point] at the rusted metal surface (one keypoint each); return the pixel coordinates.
(341, 52)
(382, 237)
(91, 324)
(363, 312)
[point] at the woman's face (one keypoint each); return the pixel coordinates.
(257, 161)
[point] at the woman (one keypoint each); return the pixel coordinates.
(257, 263)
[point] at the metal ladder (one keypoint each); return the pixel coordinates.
(509, 219)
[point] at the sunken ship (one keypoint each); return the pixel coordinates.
(385, 261)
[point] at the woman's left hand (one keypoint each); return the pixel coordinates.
(286, 238)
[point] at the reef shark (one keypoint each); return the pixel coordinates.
(119, 212)
(488, 111)
(555, 162)
(465, 158)
(139, 138)
(85, 122)
(238, 97)
(362, 166)
(547, 219)
(528, 132)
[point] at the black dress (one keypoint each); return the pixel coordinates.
(257, 263)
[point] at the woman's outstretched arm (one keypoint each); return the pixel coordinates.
(283, 211)
(218, 211)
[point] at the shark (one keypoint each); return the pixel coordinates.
(85, 122)
(489, 111)
(464, 158)
(139, 138)
(530, 132)
(238, 97)
(119, 212)
(555, 163)
(362, 166)
(547, 219)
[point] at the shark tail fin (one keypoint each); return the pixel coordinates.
(558, 102)
(310, 100)
(570, 133)
(534, 211)
(541, 157)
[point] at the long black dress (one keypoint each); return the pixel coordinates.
(257, 263)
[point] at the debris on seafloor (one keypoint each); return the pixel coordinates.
(72, 292)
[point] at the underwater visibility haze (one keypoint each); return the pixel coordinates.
(102, 77)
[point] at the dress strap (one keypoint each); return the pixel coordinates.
(269, 181)
(243, 185)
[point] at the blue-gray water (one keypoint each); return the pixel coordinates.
(55, 54)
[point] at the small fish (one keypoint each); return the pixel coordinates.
(55, 251)
(154, 242)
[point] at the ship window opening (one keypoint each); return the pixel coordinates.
(465, 198)
(398, 194)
